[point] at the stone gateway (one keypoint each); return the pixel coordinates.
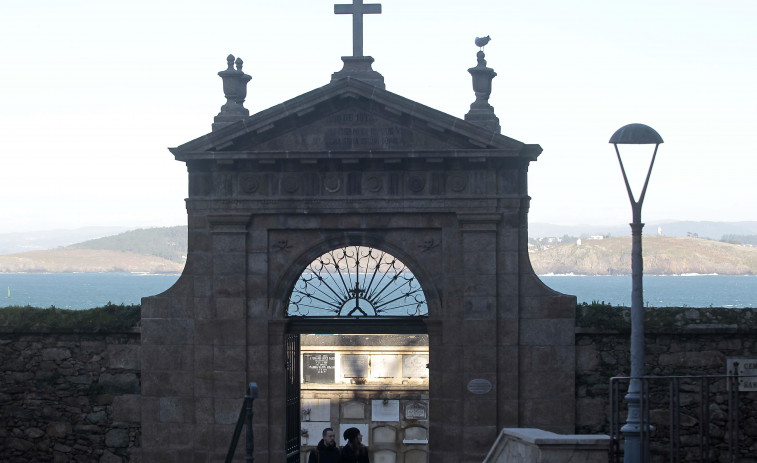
(348, 165)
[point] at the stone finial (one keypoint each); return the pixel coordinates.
(235, 91)
(481, 112)
(359, 68)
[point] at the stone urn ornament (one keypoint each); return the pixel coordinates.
(481, 112)
(235, 90)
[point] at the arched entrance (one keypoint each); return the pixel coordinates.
(357, 281)
(353, 164)
(357, 355)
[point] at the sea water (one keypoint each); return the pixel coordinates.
(79, 290)
(735, 291)
(86, 290)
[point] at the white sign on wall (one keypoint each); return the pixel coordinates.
(747, 370)
(385, 410)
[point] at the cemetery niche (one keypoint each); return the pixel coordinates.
(363, 387)
(318, 368)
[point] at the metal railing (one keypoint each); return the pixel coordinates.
(245, 417)
(684, 414)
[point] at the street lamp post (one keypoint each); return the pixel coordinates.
(636, 429)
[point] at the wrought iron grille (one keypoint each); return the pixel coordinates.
(691, 418)
(357, 281)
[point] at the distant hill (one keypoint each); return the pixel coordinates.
(701, 229)
(169, 243)
(152, 250)
(69, 260)
(662, 256)
(49, 239)
(163, 250)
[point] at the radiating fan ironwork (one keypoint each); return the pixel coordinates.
(357, 281)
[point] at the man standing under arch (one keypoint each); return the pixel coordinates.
(327, 451)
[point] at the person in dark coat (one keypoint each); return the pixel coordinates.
(327, 451)
(354, 451)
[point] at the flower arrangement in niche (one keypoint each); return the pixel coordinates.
(306, 415)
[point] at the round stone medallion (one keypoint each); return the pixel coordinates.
(250, 183)
(373, 183)
(332, 183)
(458, 182)
(416, 183)
(290, 183)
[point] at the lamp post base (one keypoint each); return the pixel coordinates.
(635, 435)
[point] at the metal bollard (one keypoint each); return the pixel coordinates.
(252, 394)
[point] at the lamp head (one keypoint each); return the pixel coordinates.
(636, 134)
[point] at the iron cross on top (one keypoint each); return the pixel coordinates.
(357, 10)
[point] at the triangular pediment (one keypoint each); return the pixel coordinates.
(349, 116)
(354, 125)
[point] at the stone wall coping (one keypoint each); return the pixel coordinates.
(541, 437)
(708, 328)
(9, 330)
(532, 445)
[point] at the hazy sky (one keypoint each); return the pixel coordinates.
(93, 92)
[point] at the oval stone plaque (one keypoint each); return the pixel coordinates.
(479, 386)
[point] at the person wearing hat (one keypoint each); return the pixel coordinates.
(354, 451)
(327, 450)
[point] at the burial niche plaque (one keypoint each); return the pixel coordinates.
(355, 365)
(747, 371)
(414, 366)
(318, 368)
(385, 366)
(416, 411)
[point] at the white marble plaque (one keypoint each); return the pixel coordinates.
(314, 430)
(353, 411)
(747, 372)
(363, 427)
(385, 410)
(320, 409)
(354, 365)
(414, 366)
(385, 366)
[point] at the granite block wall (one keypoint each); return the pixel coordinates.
(693, 350)
(77, 397)
(69, 397)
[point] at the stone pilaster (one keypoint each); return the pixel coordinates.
(479, 326)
